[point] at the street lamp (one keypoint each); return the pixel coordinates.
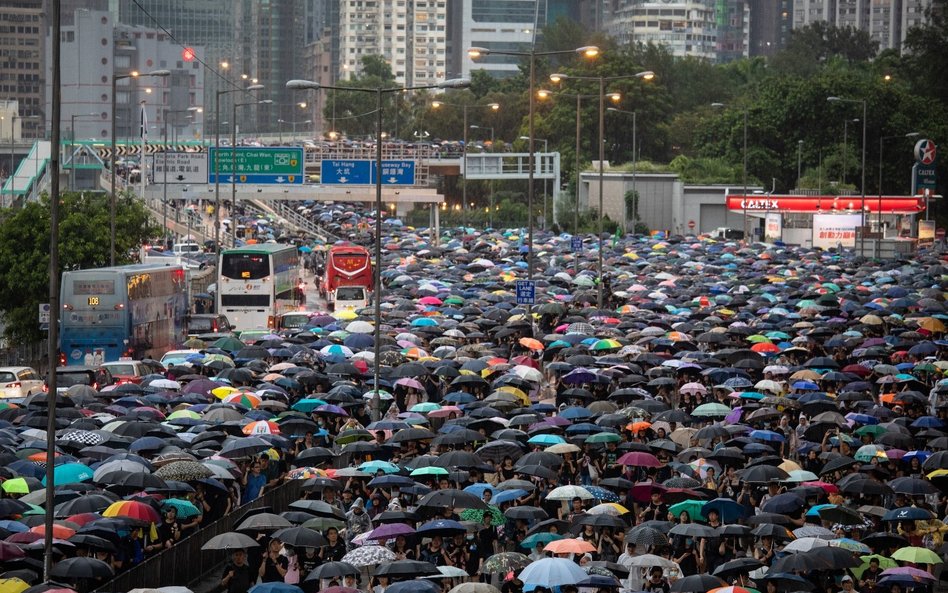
(292, 123)
(589, 51)
(744, 169)
(217, 165)
(634, 147)
(115, 79)
(862, 208)
(490, 210)
(644, 75)
(846, 123)
(233, 166)
(455, 83)
(799, 160)
(72, 145)
(492, 107)
(546, 149)
(882, 139)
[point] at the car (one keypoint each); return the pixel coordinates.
(95, 377)
(208, 323)
(173, 357)
(128, 371)
(19, 382)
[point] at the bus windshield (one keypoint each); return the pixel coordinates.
(245, 266)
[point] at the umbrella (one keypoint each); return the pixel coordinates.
(917, 555)
(332, 570)
(697, 583)
(81, 568)
(552, 572)
(275, 587)
(369, 556)
(404, 568)
(230, 541)
(505, 562)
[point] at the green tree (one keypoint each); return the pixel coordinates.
(83, 243)
(816, 44)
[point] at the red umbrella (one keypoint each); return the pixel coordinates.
(639, 459)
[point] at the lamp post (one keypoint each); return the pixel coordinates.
(379, 207)
(72, 145)
(233, 166)
(882, 140)
(490, 209)
(744, 167)
(799, 160)
(546, 149)
(492, 107)
(634, 149)
(846, 123)
(862, 208)
(217, 165)
(292, 123)
(115, 79)
(590, 51)
(644, 75)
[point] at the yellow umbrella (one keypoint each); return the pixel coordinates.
(13, 585)
(222, 392)
(347, 315)
(518, 392)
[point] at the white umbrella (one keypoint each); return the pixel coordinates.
(165, 384)
(650, 560)
(569, 493)
(805, 544)
(360, 327)
(452, 572)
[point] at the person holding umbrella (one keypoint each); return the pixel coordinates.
(274, 567)
(237, 576)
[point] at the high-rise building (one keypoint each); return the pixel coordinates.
(684, 27)
(508, 25)
(411, 35)
(23, 63)
(94, 49)
(205, 23)
(886, 21)
(270, 38)
(771, 23)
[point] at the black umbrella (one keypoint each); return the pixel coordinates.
(527, 513)
(697, 583)
(230, 541)
(81, 567)
(451, 498)
(300, 537)
(736, 567)
(406, 568)
(332, 570)
(646, 536)
(783, 504)
(761, 474)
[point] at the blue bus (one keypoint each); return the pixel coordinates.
(137, 311)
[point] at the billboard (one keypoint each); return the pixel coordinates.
(773, 227)
(831, 230)
(820, 204)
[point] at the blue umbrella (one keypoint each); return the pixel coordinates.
(602, 494)
(767, 435)
(907, 514)
(441, 527)
(414, 586)
(552, 572)
(508, 496)
(478, 489)
(727, 509)
(275, 587)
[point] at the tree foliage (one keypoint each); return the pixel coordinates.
(83, 243)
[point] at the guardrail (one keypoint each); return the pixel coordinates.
(185, 563)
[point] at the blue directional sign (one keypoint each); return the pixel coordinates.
(526, 292)
(362, 172)
(397, 173)
(576, 244)
(346, 172)
(256, 165)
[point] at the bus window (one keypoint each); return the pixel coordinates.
(245, 266)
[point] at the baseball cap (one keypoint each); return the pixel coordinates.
(846, 578)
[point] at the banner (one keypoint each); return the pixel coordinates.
(773, 227)
(832, 230)
(926, 230)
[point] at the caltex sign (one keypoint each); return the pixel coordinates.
(926, 158)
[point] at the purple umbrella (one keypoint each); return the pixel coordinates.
(389, 531)
(201, 386)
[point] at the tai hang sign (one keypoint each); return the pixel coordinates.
(923, 171)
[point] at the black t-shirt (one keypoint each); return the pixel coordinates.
(659, 587)
(270, 572)
(242, 580)
(334, 553)
(307, 563)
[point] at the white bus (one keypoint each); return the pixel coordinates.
(257, 283)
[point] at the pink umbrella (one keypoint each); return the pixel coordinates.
(409, 382)
(445, 412)
(639, 459)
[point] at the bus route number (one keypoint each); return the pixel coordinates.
(93, 301)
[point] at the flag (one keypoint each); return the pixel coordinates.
(143, 130)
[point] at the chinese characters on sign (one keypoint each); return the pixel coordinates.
(832, 230)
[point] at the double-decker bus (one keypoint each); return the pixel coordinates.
(257, 283)
(137, 311)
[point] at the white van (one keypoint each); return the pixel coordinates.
(186, 248)
(351, 298)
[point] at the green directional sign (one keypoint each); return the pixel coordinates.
(251, 164)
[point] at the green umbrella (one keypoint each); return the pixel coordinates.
(691, 506)
(229, 344)
(603, 437)
(539, 538)
(323, 523)
(477, 516)
(16, 486)
(308, 405)
(710, 410)
(184, 414)
(185, 508)
(884, 563)
(70, 473)
(424, 407)
(917, 555)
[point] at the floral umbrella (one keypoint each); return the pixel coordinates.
(477, 516)
(369, 556)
